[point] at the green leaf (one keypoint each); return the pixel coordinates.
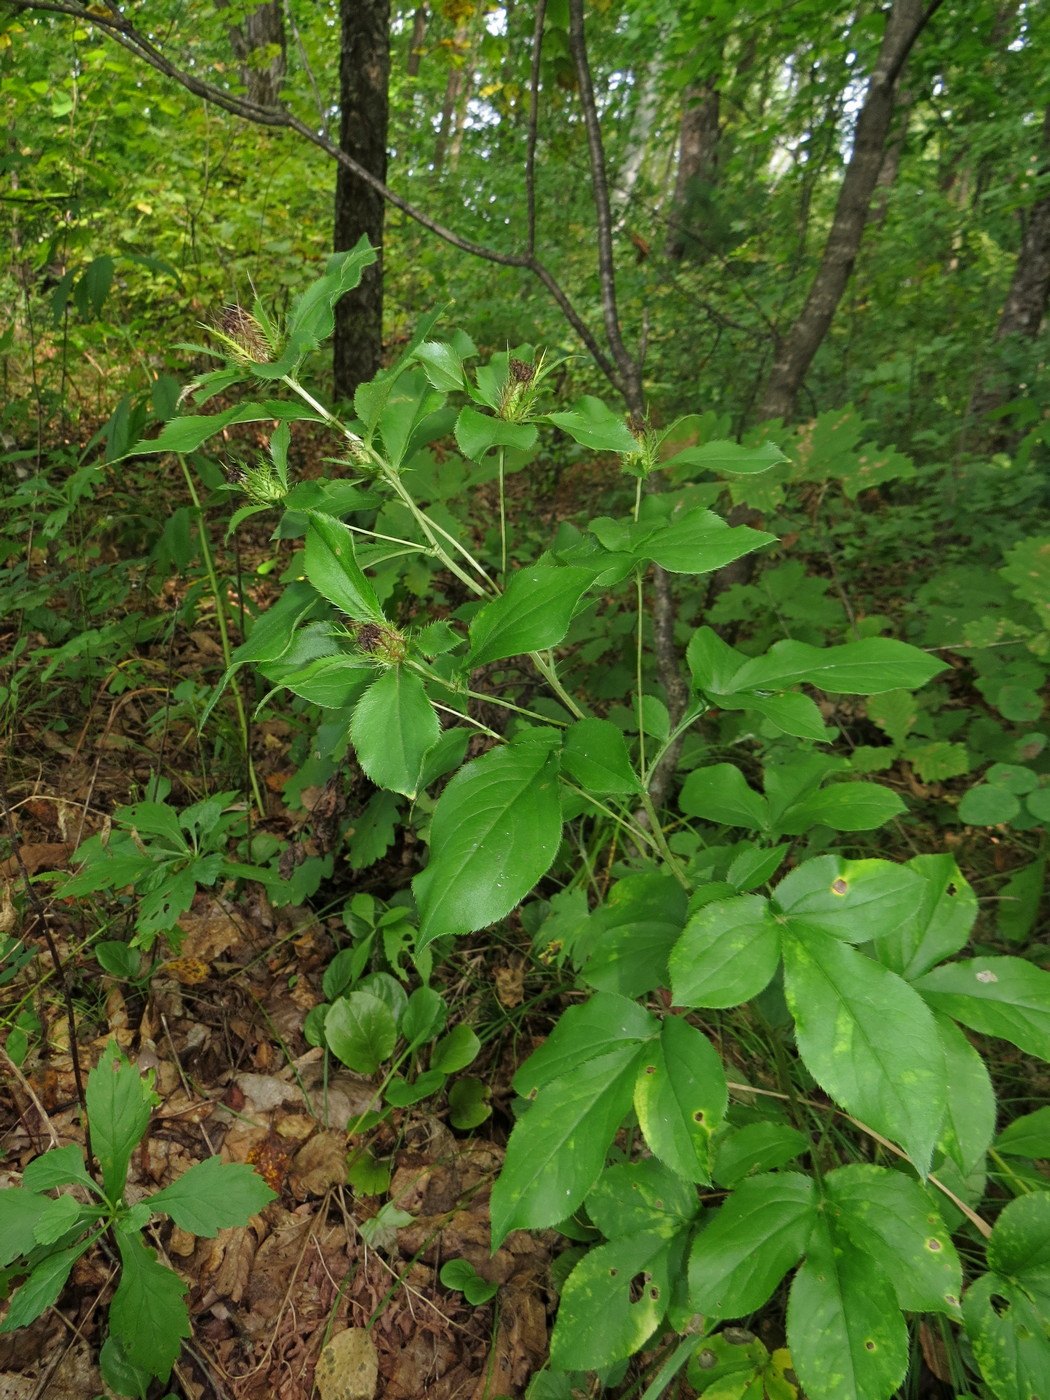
(892, 1220)
(1010, 1337)
(63, 1214)
(728, 458)
(20, 1210)
(680, 1097)
(712, 662)
(461, 1275)
(400, 1094)
(698, 542)
(119, 1102)
(761, 1232)
(866, 1037)
(59, 1167)
(332, 568)
(187, 434)
(442, 365)
(477, 433)
(1020, 899)
(969, 1123)
(721, 794)
(727, 954)
(627, 940)
(595, 755)
(360, 1031)
(854, 900)
(393, 727)
(1027, 1136)
(988, 805)
(1006, 997)
(533, 613)
(494, 834)
(423, 1017)
(595, 425)
(456, 1050)
(148, 1312)
(791, 714)
(42, 1287)
(758, 1147)
(468, 1104)
(118, 1374)
(856, 668)
(856, 806)
(312, 317)
(940, 922)
(557, 1149)
(334, 682)
(212, 1196)
(411, 409)
(845, 1331)
(584, 1032)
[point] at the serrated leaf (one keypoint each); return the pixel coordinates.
(595, 754)
(855, 900)
(533, 613)
(187, 434)
(360, 1031)
(969, 1123)
(583, 1033)
(332, 568)
(940, 923)
(855, 668)
(680, 1097)
(59, 1167)
(494, 834)
(595, 425)
(20, 1210)
(42, 1287)
(625, 947)
(758, 1234)
(727, 954)
(393, 727)
(891, 1219)
(721, 794)
(118, 1103)
(856, 806)
(1027, 1136)
(148, 1312)
(845, 1330)
(1006, 997)
(728, 458)
(477, 433)
(757, 1147)
(61, 1216)
(557, 1150)
(1010, 1337)
(866, 1037)
(212, 1196)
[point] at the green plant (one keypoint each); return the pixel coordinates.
(164, 855)
(42, 1236)
(845, 960)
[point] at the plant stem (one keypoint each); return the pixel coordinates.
(502, 513)
(220, 613)
(546, 669)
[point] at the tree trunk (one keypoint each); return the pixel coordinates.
(415, 44)
(263, 29)
(1026, 302)
(364, 72)
(697, 169)
(795, 352)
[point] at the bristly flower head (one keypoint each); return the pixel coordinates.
(261, 484)
(243, 336)
(520, 390)
(385, 644)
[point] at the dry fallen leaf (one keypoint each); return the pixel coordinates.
(348, 1367)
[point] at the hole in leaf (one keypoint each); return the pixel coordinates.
(650, 1069)
(698, 1116)
(1000, 1306)
(638, 1286)
(953, 888)
(869, 1346)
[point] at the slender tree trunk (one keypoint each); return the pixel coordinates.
(795, 353)
(364, 72)
(646, 107)
(1026, 302)
(697, 167)
(262, 29)
(415, 44)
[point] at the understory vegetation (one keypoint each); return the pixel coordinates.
(523, 870)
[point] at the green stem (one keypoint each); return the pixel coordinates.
(638, 651)
(660, 841)
(220, 613)
(502, 513)
(547, 671)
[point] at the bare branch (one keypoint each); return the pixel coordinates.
(630, 372)
(122, 32)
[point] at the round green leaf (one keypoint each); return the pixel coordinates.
(360, 1031)
(988, 805)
